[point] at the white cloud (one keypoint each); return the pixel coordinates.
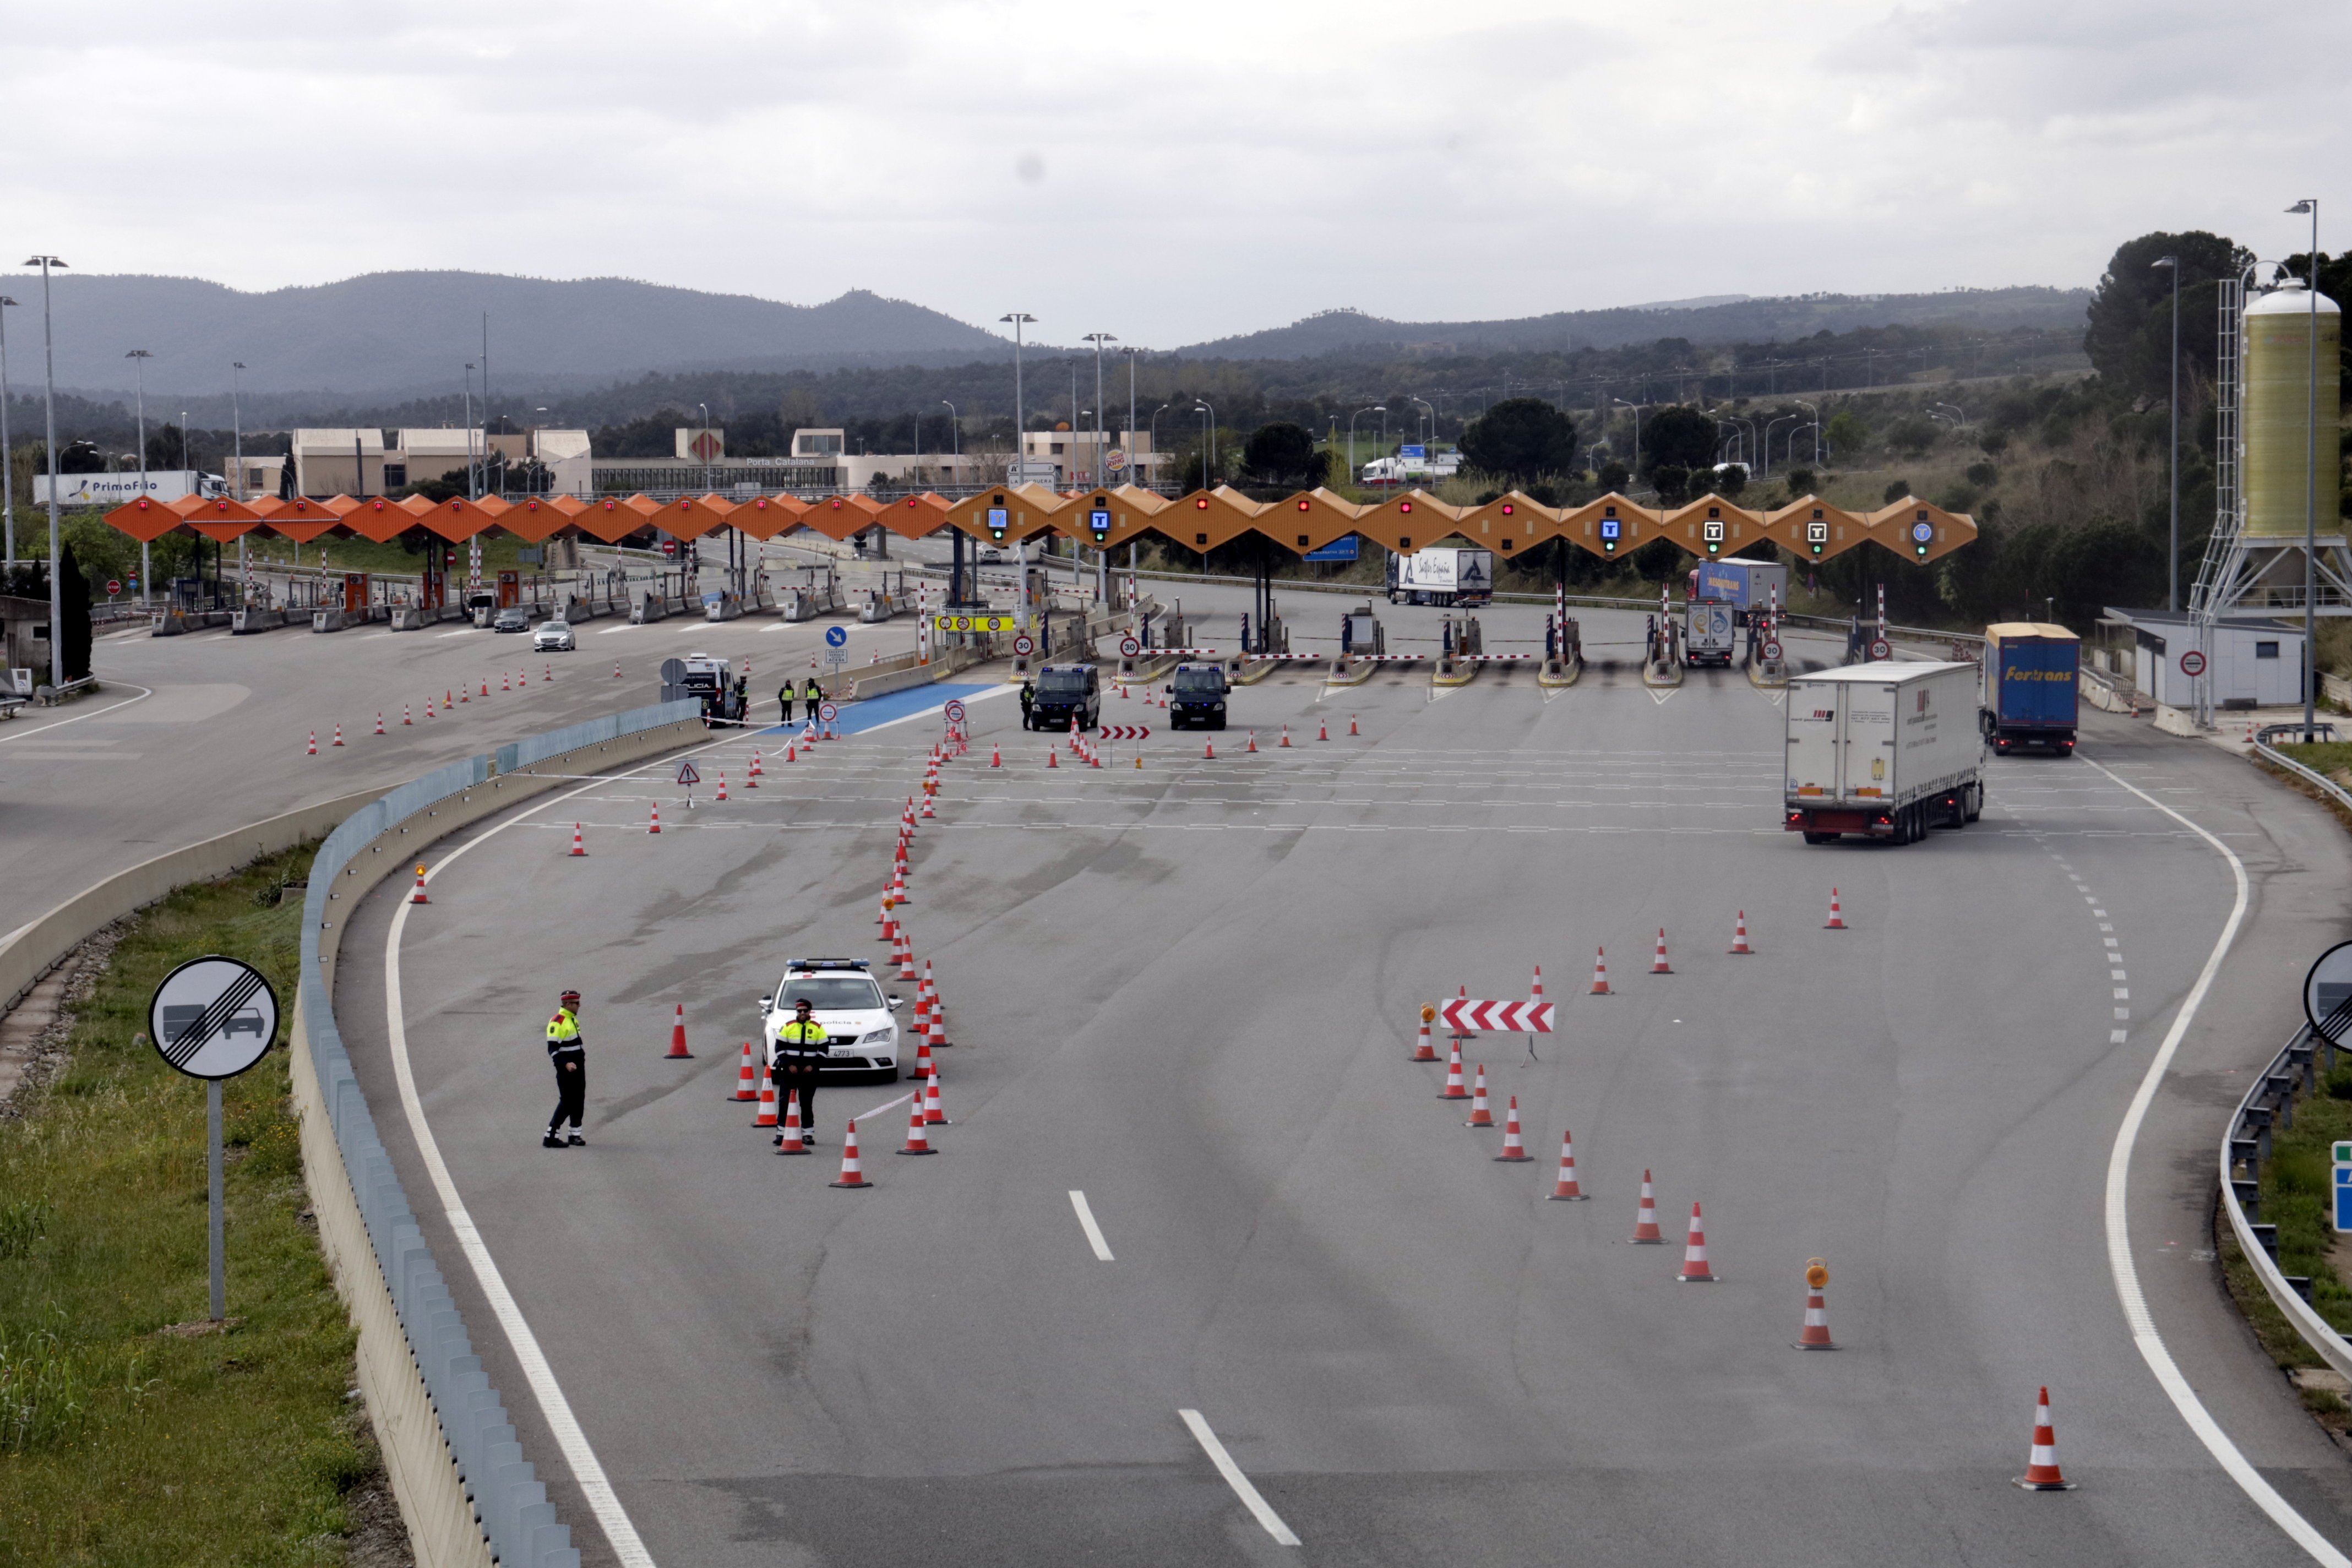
(1194, 170)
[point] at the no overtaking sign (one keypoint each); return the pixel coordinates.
(212, 1017)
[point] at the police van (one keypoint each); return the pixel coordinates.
(861, 1035)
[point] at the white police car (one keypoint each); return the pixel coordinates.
(861, 1035)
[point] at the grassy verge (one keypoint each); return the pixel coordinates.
(122, 1441)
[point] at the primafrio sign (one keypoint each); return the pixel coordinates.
(114, 489)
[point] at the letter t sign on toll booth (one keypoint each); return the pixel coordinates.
(2343, 1187)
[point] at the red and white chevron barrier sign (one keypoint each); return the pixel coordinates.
(1464, 1015)
(1124, 732)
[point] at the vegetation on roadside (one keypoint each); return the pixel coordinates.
(130, 1435)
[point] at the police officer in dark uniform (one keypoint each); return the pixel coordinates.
(785, 696)
(813, 697)
(569, 1054)
(798, 1053)
(1028, 700)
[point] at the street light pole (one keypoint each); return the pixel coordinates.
(1637, 434)
(236, 436)
(2310, 478)
(1208, 436)
(1019, 320)
(1102, 446)
(1367, 408)
(2172, 555)
(7, 469)
(49, 366)
(139, 358)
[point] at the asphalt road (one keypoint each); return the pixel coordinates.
(1187, 991)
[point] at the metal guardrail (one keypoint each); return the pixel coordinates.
(515, 1517)
(2269, 1102)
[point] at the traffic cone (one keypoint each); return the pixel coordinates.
(790, 1143)
(339, 734)
(1480, 1116)
(1209, 750)
(905, 956)
(2042, 1473)
(1739, 935)
(922, 1056)
(851, 1174)
(578, 848)
(917, 1144)
(418, 896)
(932, 1115)
(1658, 965)
(1094, 757)
(467, 695)
(1123, 691)
(447, 702)
(1815, 1335)
(1252, 741)
(1515, 1152)
(1599, 973)
(767, 1112)
(937, 1037)
(928, 814)
(522, 677)
(486, 681)
(1645, 1219)
(1351, 723)
(312, 750)
(791, 753)
(1423, 1050)
(1322, 731)
(1694, 1269)
(1535, 991)
(1565, 1190)
(747, 1082)
(379, 720)
(428, 708)
(1454, 1090)
(1836, 920)
(1050, 759)
(723, 786)
(996, 756)
(889, 923)
(751, 779)
(677, 1050)
(1285, 735)
(404, 714)
(548, 674)
(657, 824)
(506, 681)
(617, 675)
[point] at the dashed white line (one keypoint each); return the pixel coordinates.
(1086, 1223)
(1258, 1506)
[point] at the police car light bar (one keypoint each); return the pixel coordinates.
(811, 963)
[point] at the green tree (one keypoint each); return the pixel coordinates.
(1846, 434)
(2128, 333)
(1520, 439)
(1677, 437)
(1282, 456)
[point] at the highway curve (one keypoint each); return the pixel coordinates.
(1186, 991)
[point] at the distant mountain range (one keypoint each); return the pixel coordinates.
(390, 335)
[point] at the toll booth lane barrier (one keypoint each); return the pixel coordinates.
(467, 1493)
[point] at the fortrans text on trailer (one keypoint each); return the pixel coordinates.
(2032, 688)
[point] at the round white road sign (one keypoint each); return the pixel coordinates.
(1771, 650)
(1128, 648)
(2193, 663)
(954, 711)
(1879, 649)
(1025, 645)
(212, 1017)
(827, 712)
(2328, 992)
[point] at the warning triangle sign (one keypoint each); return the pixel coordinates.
(686, 775)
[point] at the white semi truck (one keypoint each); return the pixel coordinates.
(1449, 577)
(1884, 750)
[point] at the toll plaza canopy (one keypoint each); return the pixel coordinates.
(1609, 527)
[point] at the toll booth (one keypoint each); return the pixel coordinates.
(510, 590)
(432, 587)
(355, 593)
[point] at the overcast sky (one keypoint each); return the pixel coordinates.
(1171, 173)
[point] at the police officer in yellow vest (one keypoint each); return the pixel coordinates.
(569, 1054)
(792, 1062)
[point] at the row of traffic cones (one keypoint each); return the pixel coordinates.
(450, 698)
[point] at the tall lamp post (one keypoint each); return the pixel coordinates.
(50, 367)
(2310, 480)
(1208, 436)
(1367, 408)
(471, 493)
(1429, 447)
(139, 358)
(1637, 434)
(2172, 555)
(1102, 442)
(7, 469)
(1019, 319)
(236, 438)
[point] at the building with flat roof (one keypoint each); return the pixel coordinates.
(2254, 661)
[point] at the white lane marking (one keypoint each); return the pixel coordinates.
(2126, 1271)
(461, 631)
(1086, 1223)
(608, 631)
(1238, 1481)
(1659, 698)
(145, 693)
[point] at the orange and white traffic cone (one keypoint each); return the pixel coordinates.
(678, 1051)
(1515, 1151)
(506, 681)
(1208, 751)
(418, 896)
(1645, 1219)
(486, 681)
(1480, 1116)
(617, 675)
(548, 673)
(932, 1115)
(1454, 1089)
(722, 785)
(767, 1112)
(312, 750)
(1535, 989)
(1285, 735)
(922, 1028)
(938, 1034)
(928, 814)
(1836, 920)
(792, 1141)
(917, 1144)
(467, 695)
(448, 699)
(1599, 973)
(851, 1174)
(655, 827)
(339, 734)
(406, 710)
(428, 708)
(905, 956)
(379, 720)
(996, 756)
(923, 1057)
(1050, 759)
(2042, 1474)
(1815, 1335)
(1565, 1190)
(579, 847)
(1351, 723)
(747, 1082)
(1658, 965)
(752, 779)
(1423, 1050)
(1322, 731)
(1252, 741)
(1739, 935)
(791, 753)
(1694, 1269)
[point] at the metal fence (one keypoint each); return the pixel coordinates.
(511, 1503)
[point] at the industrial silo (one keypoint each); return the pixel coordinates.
(2277, 424)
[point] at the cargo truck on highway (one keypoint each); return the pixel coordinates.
(2032, 686)
(1883, 750)
(1450, 577)
(1746, 585)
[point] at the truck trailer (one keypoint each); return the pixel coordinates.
(1707, 634)
(1449, 577)
(1746, 585)
(2032, 688)
(1886, 750)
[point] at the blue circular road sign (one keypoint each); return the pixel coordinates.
(836, 635)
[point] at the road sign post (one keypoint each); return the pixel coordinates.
(2343, 1187)
(213, 1018)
